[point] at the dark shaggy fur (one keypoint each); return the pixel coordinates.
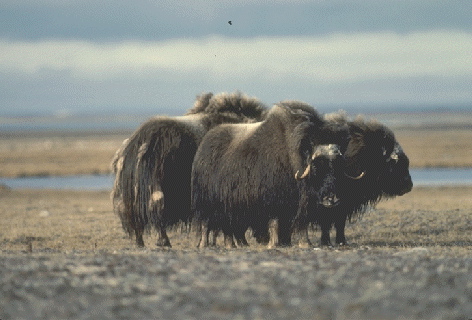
(152, 168)
(374, 154)
(244, 175)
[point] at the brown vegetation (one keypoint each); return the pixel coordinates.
(91, 153)
(65, 221)
(427, 147)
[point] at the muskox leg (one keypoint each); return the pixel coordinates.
(240, 236)
(139, 237)
(229, 242)
(340, 225)
(303, 240)
(214, 236)
(273, 233)
(203, 234)
(162, 238)
(156, 209)
(241, 241)
(262, 238)
(325, 238)
(284, 233)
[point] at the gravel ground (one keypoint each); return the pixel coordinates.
(63, 255)
(357, 283)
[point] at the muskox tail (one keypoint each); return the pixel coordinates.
(138, 172)
(123, 193)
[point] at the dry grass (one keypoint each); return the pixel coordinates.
(64, 255)
(56, 154)
(59, 220)
(427, 216)
(437, 148)
(65, 221)
(86, 153)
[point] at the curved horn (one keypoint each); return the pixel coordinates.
(304, 175)
(355, 178)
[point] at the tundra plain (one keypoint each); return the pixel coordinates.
(63, 253)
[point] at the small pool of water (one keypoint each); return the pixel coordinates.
(441, 176)
(80, 182)
(421, 177)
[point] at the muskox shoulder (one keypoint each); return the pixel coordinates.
(302, 109)
(242, 132)
(373, 131)
(165, 125)
(232, 135)
(339, 118)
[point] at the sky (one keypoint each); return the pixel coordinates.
(66, 57)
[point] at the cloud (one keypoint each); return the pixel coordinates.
(335, 58)
(422, 67)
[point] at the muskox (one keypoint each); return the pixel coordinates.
(278, 170)
(153, 167)
(378, 167)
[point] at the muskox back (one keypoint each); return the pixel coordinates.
(244, 175)
(152, 168)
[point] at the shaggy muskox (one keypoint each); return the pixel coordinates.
(278, 170)
(379, 168)
(152, 168)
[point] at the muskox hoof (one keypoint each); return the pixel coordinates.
(229, 242)
(264, 240)
(305, 244)
(139, 238)
(341, 241)
(140, 242)
(243, 244)
(326, 243)
(163, 243)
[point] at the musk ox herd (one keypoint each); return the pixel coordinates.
(231, 164)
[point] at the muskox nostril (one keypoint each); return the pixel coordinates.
(330, 201)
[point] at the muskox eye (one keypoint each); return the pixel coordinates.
(384, 151)
(394, 155)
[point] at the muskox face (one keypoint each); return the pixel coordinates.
(395, 178)
(321, 174)
(375, 158)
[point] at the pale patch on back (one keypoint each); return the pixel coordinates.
(192, 120)
(242, 132)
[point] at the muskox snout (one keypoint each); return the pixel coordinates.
(330, 201)
(407, 185)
